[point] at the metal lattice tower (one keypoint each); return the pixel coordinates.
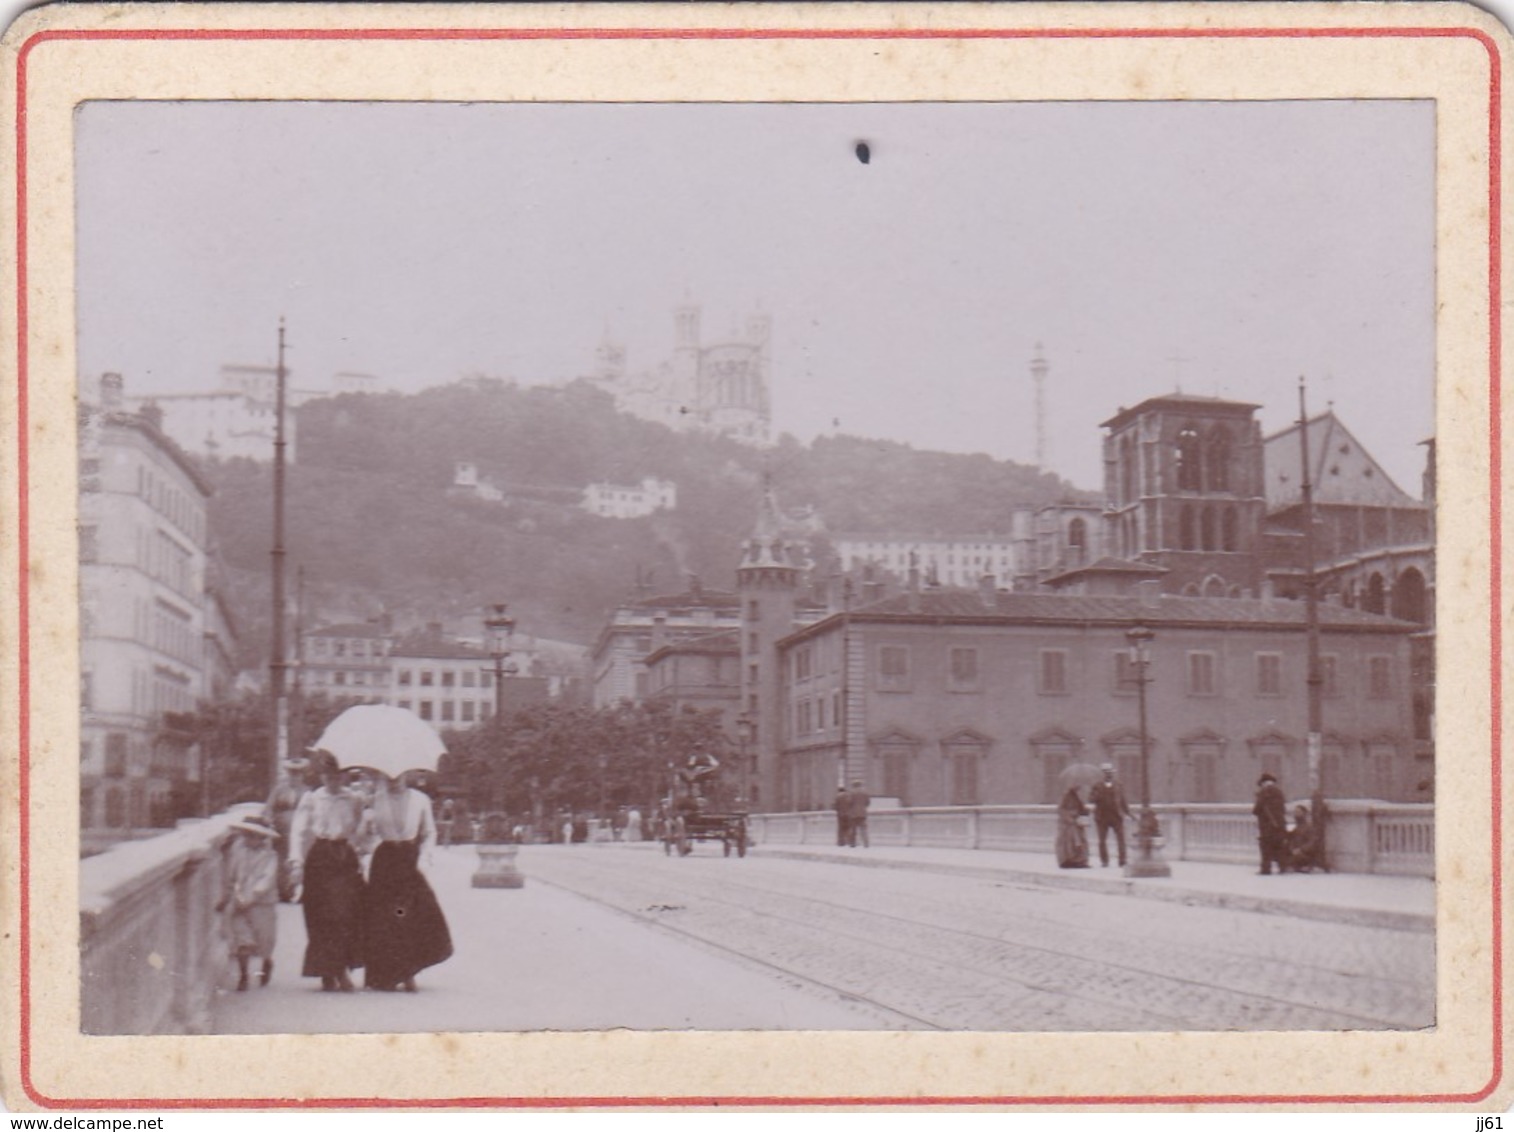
(1038, 370)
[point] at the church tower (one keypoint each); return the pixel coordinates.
(767, 582)
(1184, 490)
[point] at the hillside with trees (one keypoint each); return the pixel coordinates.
(371, 526)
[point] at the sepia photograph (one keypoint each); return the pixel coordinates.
(566, 563)
(665, 510)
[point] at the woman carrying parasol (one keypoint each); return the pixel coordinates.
(323, 860)
(403, 926)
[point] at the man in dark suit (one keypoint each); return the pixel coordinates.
(856, 802)
(1271, 810)
(1109, 813)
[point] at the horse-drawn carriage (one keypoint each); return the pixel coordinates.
(692, 812)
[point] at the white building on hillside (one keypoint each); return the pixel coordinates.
(617, 501)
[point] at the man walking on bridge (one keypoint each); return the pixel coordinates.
(1109, 813)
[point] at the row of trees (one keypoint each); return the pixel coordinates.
(544, 759)
(553, 757)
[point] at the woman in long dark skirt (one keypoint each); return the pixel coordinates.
(404, 929)
(1072, 839)
(324, 862)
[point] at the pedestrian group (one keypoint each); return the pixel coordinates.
(385, 921)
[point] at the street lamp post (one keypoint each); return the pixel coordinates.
(496, 861)
(499, 628)
(1145, 863)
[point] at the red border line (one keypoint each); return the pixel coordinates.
(743, 34)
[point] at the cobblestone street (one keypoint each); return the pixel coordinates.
(944, 952)
(610, 936)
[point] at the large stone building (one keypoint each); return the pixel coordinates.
(646, 623)
(236, 419)
(447, 682)
(958, 698)
(1040, 543)
(720, 386)
(153, 641)
(1003, 660)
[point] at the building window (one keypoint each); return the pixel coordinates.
(1127, 674)
(1201, 674)
(1053, 672)
(964, 670)
(447, 711)
(1190, 476)
(426, 678)
(449, 679)
(404, 678)
(1219, 460)
(339, 678)
(1329, 669)
(1380, 760)
(1206, 779)
(802, 666)
(893, 668)
(115, 758)
(962, 778)
(425, 712)
(467, 710)
(1380, 677)
(894, 761)
(753, 610)
(805, 715)
(470, 678)
(405, 704)
(752, 645)
(1269, 674)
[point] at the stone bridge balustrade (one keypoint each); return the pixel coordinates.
(1394, 839)
(151, 946)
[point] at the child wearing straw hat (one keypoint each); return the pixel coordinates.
(251, 893)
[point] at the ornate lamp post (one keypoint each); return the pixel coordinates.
(1145, 863)
(499, 628)
(743, 740)
(496, 856)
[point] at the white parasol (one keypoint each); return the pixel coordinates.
(390, 740)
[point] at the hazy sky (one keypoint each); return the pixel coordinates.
(1256, 242)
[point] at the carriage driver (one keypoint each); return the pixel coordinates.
(701, 765)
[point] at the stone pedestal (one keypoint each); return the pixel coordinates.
(496, 867)
(1147, 861)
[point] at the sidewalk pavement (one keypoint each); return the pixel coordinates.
(1396, 902)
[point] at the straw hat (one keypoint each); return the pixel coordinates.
(254, 824)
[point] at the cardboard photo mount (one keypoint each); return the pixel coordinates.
(58, 57)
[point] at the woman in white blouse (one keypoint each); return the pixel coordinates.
(404, 929)
(323, 861)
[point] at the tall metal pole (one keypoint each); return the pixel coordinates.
(1316, 678)
(278, 662)
(1145, 862)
